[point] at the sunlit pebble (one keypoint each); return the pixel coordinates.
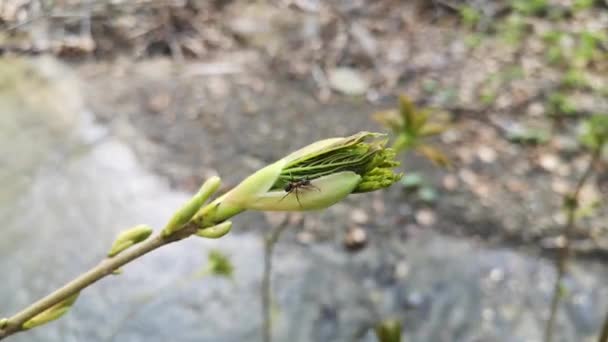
(402, 270)
(359, 216)
(486, 154)
(425, 217)
(496, 275)
(355, 238)
(467, 176)
(450, 182)
(536, 109)
(549, 162)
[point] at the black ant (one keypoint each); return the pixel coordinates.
(294, 185)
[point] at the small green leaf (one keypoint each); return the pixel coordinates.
(129, 238)
(189, 209)
(215, 232)
(52, 313)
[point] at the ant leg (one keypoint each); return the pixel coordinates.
(298, 198)
(282, 198)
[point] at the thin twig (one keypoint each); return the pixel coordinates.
(270, 241)
(103, 269)
(564, 252)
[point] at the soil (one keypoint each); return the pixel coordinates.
(252, 82)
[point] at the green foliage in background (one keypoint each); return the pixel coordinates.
(411, 126)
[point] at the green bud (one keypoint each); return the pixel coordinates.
(333, 167)
(51, 313)
(215, 232)
(321, 193)
(129, 238)
(187, 211)
(316, 177)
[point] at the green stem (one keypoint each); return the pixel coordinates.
(564, 252)
(15, 323)
(270, 241)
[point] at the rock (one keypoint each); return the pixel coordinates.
(425, 217)
(355, 239)
(347, 81)
(486, 154)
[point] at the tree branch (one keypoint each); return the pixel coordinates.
(15, 323)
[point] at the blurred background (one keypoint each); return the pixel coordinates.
(112, 113)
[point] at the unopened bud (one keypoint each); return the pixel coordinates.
(129, 238)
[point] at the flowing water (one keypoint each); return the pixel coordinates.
(68, 187)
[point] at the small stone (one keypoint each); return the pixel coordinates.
(355, 239)
(468, 176)
(549, 162)
(348, 81)
(359, 216)
(402, 270)
(450, 182)
(486, 154)
(425, 217)
(536, 109)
